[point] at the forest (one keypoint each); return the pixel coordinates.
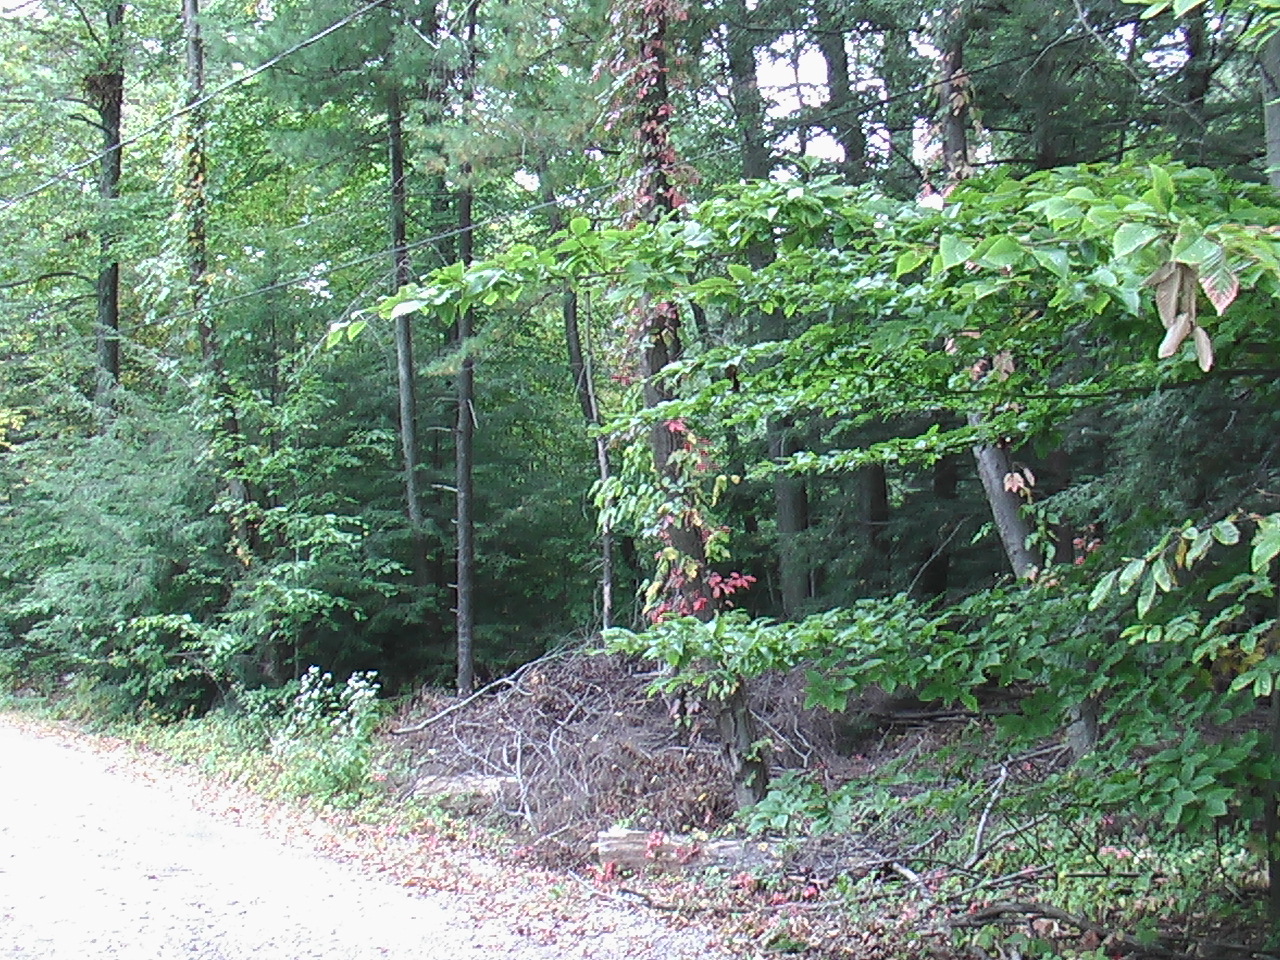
(921, 354)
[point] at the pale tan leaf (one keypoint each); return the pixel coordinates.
(1166, 280)
(1221, 294)
(1188, 277)
(1173, 339)
(1204, 349)
(1160, 274)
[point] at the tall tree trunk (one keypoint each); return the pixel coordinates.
(992, 460)
(1269, 68)
(1197, 76)
(1006, 506)
(790, 494)
(935, 571)
(791, 508)
(406, 379)
(196, 199)
(245, 536)
(1269, 65)
(842, 117)
(955, 108)
(661, 330)
(584, 389)
(464, 434)
(105, 87)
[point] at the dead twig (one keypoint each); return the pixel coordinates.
(511, 680)
(981, 831)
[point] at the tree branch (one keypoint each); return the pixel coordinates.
(28, 281)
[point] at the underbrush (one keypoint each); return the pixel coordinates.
(892, 831)
(315, 739)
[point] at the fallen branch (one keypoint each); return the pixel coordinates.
(508, 681)
(980, 833)
(644, 849)
(998, 911)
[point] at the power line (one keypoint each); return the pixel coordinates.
(855, 110)
(261, 68)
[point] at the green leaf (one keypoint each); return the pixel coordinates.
(579, 226)
(1163, 575)
(1002, 252)
(1193, 247)
(954, 250)
(1130, 574)
(1161, 193)
(908, 260)
(1182, 7)
(405, 306)
(1199, 546)
(1147, 596)
(1131, 237)
(1054, 259)
(740, 273)
(1266, 543)
(1226, 533)
(1103, 589)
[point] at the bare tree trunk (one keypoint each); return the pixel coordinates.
(1006, 506)
(935, 571)
(1269, 67)
(585, 386)
(791, 508)
(584, 389)
(1269, 64)
(196, 195)
(955, 109)
(464, 434)
(840, 106)
(406, 378)
(993, 461)
(874, 482)
(790, 494)
(105, 87)
(661, 331)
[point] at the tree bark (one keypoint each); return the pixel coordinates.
(1006, 506)
(993, 461)
(660, 326)
(584, 389)
(464, 433)
(1269, 68)
(105, 86)
(406, 378)
(790, 494)
(791, 508)
(844, 122)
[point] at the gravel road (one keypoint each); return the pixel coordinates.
(95, 863)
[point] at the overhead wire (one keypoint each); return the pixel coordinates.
(312, 275)
(10, 202)
(62, 175)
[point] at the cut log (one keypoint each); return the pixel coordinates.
(657, 850)
(461, 791)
